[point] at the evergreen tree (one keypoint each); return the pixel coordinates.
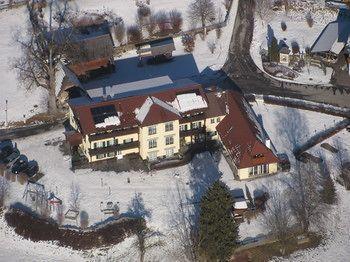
(218, 232)
(274, 50)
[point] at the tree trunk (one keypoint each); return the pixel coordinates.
(52, 107)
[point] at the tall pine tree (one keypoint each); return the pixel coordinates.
(218, 232)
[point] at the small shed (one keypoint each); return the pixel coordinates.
(157, 47)
(284, 55)
(53, 202)
(240, 202)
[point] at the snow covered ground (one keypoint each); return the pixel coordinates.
(158, 191)
(22, 104)
(297, 30)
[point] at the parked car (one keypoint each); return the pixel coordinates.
(5, 152)
(12, 157)
(32, 169)
(19, 166)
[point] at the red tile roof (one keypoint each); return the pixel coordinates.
(127, 107)
(240, 134)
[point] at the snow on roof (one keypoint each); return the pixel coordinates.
(240, 203)
(127, 89)
(188, 102)
(143, 111)
(333, 38)
(109, 121)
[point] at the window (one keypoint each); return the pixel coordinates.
(152, 130)
(128, 140)
(99, 144)
(100, 156)
(183, 127)
(152, 143)
(169, 140)
(110, 142)
(196, 125)
(217, 119)
(111, 154)
(169, 126)
(152, 156)
(169, 152)
(212, 121)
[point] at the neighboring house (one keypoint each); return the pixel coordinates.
(249, 150)
(332, 41)
(155, 124)
(90, 48)
(284, 55)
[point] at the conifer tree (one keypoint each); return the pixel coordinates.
(218, 232)
(274, 51)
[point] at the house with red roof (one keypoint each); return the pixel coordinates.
(246, 144)
(154, 124)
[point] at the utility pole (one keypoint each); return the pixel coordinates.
(6, 120)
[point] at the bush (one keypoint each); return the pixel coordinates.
(162, 20)
(120, 31)
(142, 13)
(309, 19)
(283, 26)
(274, 51)
(134, 34)
(188, 42)
(176, 20)
(151, 25)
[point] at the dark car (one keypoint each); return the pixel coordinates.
(19, 166)
(32, 169)
(5, 151)
(12, 157)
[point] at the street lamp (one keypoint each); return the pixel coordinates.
(6, 121)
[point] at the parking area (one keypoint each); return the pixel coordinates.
(16, 167)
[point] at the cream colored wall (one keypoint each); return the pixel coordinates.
(90, 145)
(72, 121)
(273, 168)
(160, 136)
(212, 127)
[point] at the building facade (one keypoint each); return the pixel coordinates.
(154, 126)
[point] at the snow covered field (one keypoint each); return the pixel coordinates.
(22, 104)
(158, 191)
(297, 30)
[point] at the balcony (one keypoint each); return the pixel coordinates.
(114, 148)
(192, 132)
(114, 133)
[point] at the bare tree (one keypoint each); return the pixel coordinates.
(4, 190)
(211, 46)
(146, 239)
(41, 53)
(75, 195)
(202, 11)
(134, 34)
(277, 216)
(340, 160)
(303, 189)
(176, 20)
(182, 219)
(120, 31)
(162, 19)
(152, 23)
(264, 9)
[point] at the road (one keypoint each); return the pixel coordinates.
(241, 69)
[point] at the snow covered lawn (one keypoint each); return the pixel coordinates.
(22, 104)
(297, 30)
(158, 191)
